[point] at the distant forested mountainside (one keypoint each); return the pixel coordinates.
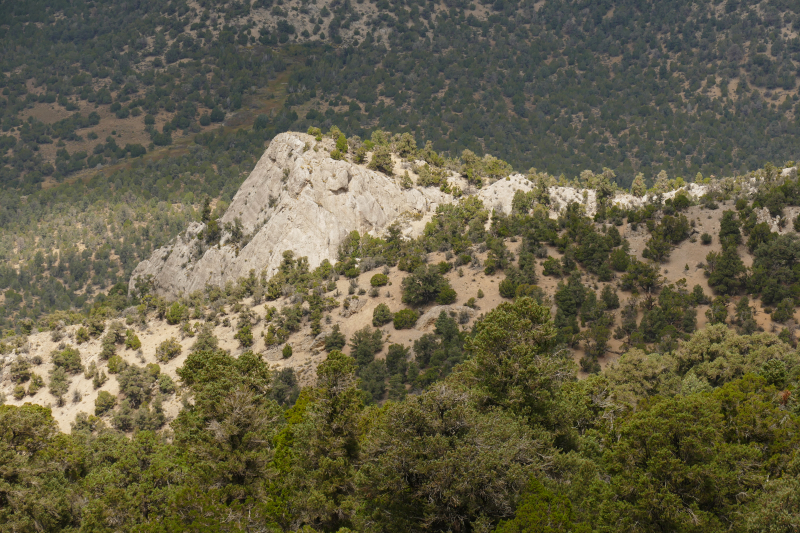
(634, 86)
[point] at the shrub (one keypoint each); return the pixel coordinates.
(59, 384)
(446, 296)
(165, 384)
(620, 260)
(341, 143)
(153, 369)
(82, 335)
(784, 311)
(508, 288)
(382, 160)
(405, 319)
(245, 336)
(132, 341)
(381, 315)
(96, 326)
(116, 332)
(379, 280)
(335, 340)
(105, 402)
(365, 343)
(287, 351)
(136, 383)
(168, 350)
(610, 297)
(397, 359)
(705, 238)
(698, 297)
(19, 392)
(109, 348)
(69, 359)
(35, 385)
(99, 379)
(20, 371)
(426, 285)
(175, 313)
(116, 365)
(123, 418)
(552, 267)
(217, 115)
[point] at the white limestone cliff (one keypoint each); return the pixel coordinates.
(296, 198)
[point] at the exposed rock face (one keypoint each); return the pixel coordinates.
(298, 198)
(295, 199)
(428, 320)
(500, 195)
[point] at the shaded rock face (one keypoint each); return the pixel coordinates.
(295, 199)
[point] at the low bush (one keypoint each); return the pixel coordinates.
(168, 350)
(116, 365)
(405, 319)
(381, 315)
(379, 280)
(335, 340)
(104, 402)
(69, 359)
(176, 313)
(132, 341)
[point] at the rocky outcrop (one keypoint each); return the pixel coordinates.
(500, 195)
(297, 198)
(428, 320)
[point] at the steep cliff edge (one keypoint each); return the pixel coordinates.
(297, 198)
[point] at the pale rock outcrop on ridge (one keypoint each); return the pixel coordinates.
(296, 198)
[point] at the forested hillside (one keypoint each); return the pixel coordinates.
(634, 86)
(702, 438)
(131, 114)
(628, 363)
(614, 350)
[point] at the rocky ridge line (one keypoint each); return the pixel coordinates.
(298, 198)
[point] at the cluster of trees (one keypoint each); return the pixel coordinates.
(509, 440)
